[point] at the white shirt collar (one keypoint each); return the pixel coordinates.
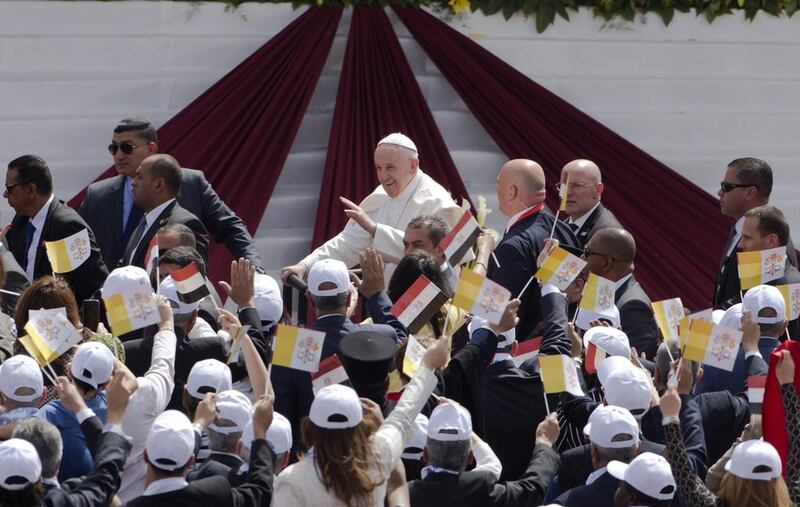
(502, 356)
(513, 219)
(621, 281)
(53, 481)
(152, 215)
(583, 218)
(165, 486)
(595, 475)
(738, 228)
(41, 215)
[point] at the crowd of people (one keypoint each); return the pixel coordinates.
(192, 409)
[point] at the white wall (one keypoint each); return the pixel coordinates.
(693, 95)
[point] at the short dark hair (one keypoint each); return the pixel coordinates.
(756, 172)
(167, 168)
(138, 126)
(33, 169)
(641, 498)
(435, 225)
(33, 494)
(186, 236)
(771, 221)
(330, 303)
(183, 256)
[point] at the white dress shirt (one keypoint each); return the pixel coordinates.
(583, 218)
(38, 222)
(149, 219)
(595, 475)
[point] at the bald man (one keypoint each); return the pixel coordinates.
(586, 213)
(520, 195)
(611, 253)
(381, 219)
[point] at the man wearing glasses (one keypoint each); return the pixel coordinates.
(586, 212)
(113, 215)
(747, 184)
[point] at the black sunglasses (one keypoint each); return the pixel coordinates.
(126, 147)
(589, 253)
(727, 186)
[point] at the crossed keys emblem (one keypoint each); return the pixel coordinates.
(491, 301)
(774, 264)
(795, 298)
(605, 298)
(567, 273)
(723, 347)
(140, 305)
(307, 351)
(48, 329)
(79, 248)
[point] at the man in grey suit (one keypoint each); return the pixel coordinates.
(111, 212)
(586, 213)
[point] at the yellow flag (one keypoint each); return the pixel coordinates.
(480, 296)
(564, 190)
(668, 314)
(791, 296)
(713, 345)
(297, 348)
(559, 374)
(33, 351)
(762, 266)
(560, 268)
(69, 253)
(413, 357)
(598, 294)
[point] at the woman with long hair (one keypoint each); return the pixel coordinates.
(348, 463)
(754, 475)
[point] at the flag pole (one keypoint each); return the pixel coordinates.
(46, 374)
(526, 287)
(52, 372)
(546, 405)
(493, 257)
(561, 202)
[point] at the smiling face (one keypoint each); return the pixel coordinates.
(395, 168)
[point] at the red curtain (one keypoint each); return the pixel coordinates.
(377, 95)
(678, 227)
(240, 131)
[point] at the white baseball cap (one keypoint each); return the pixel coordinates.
(169, 290)
(416, 444)
(20, 465)
(755, 459)
(628, 388)
(647, 473)
(732, 319)
(398, 139)
(336, 407)
(233, 407)
(18, 372)
(716, 316)
(279, 434)
(449, 423)
(611, 315)
(328, 271)
(612, 427)
(124, 279)
(612, 341)
(171, 441)
(93, 363)
(267, 300)
(208, 375)
(761, 297)
(613, 364)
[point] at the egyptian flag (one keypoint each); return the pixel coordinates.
(528, 349)
(755, 392)
(773, 417)
(418, 304)
(594, 356)
(460, 239)
(330, 372)
(151, 257)
(190, 284)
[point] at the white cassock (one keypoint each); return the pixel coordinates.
(422, 196)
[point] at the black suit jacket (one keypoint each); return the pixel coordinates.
(102, 209)
(16, 278)
(636, 317)
(724, 417)
(480, 489)
(61, 221)
(172, 214)
(517, 253)
(255, 491)
(600, 218)
(600, 493)
(99, 487)
(218, 464)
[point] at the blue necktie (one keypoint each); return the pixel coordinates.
(28, 240)
(134, 217)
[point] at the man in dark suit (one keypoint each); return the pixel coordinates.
(747, 184)
(41, 217)
(446, 483)
(586, 213)
(520, 195)
(155, 189)
(513, 399)
(610, 253)
(763, 228)
(112, 214)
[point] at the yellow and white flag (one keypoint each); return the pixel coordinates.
(480, 296)
(560, 268)
(297, 348)
(762, 266)
(598, 294)
(67, 254)
(52, 334)
(413, 357)
(791, 296)
(668, 314)
(562, 192)
(559, 374)
(131, 309)
(711, 344)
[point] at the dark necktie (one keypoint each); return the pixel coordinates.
(133, 242)
(133, 220)
(28, 240)
(573, 226)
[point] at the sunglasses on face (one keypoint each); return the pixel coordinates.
(727, 186)
(126, 147)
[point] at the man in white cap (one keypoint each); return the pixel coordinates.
(170, 455)
(21, 387)
(448, 450)
(767, 305)
(90, 370)
(586, 213)
(613, 437)
(380, 220)
(279, 436)
(646, 482)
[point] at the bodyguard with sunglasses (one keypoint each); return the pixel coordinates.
(747, 184)
(113, 216)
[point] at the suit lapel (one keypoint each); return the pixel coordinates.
(116, 195)
(148, 234)
(589, 223)
(41, 255)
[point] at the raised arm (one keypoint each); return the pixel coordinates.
(784, 370)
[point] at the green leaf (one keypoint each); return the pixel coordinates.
(509, 9)
(493, 7)
(562, 11)
(545, 15)
(792, 7)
